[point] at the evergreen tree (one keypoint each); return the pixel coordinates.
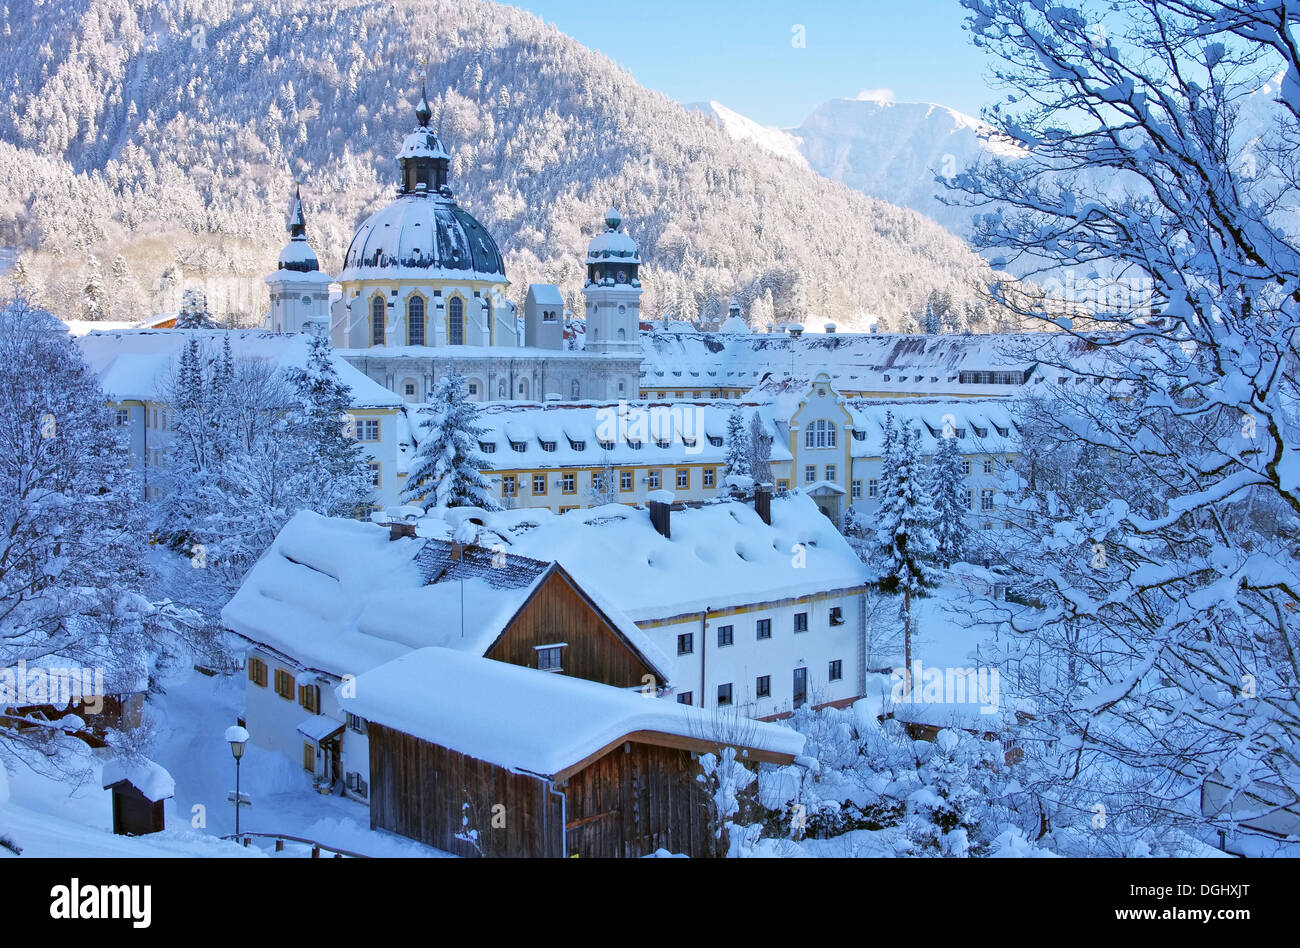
(947, 487)
(194, 311)
(336, 469)
(93, 294)
(905, 543)
(447, 468)
(604, 482)
(738, 446)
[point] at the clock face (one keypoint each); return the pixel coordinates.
(622, 276)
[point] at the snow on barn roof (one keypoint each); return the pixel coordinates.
(338, 596)
(929, 364)
(721, 554)
(149, 778)
(530, 720)
(132, 365)
(576, 430)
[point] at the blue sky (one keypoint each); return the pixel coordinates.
(740, 52)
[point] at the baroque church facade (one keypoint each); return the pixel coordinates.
(423, 296)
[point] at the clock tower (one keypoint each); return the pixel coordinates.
(613, 290)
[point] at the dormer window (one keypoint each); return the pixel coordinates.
(606, 445)
(518, 447)
(716, 442)
(488, 447)
(548, 445)
(577, 445)
(663, 443)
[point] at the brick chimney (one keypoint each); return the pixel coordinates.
(398, 530)
(763, 502)
(661, 506)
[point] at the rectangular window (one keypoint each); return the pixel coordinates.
(507, 485)
(550, 657)
(368, 429)
(724, 695)
(710, 476)
(970, 499)
(685, 698)
(836, 671)
(539, 484)
(764, 628)
(763, 687)
(284, 684)
(683, 478)
(986, 499)
(837, 615)
(782, 484)
(801, 622)
(309, 698)
(857, 490)
(830, 472)
(569, 482)
(686, 643)
(988, 465)
(873, 488)
(356, 723)
(257, 672)
(652, 480)
(565, 510)
(376, 474)
(726, 635)
(356, 784)
(625, 481)
(965, 467)
(809, 473)
(309, 758)
(122, 416)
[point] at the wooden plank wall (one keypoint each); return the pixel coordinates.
(637, 799)
(419, 790)
(557, 613)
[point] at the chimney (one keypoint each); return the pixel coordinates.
(398, 530)
(763, 503)
(661, 506)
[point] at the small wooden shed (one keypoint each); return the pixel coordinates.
(480, 757)
(139, 789)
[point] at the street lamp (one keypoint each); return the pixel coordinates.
(237, 736)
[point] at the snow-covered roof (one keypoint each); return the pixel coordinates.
(890, 363)
(721, 554)
(338, 596)
(545, 294)
(134, 364)
(530, 720)
(422, 143)
(684, 426)
(981, 426)
(149, 778)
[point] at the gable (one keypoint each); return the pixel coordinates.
(559, 612)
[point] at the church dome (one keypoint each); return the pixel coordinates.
(424, 231)
(428, 233)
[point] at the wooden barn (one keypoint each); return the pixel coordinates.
(480, 757)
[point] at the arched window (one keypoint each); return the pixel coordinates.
(820, 434)
(622, 335)
(455, 321)
(377, 321)
(415, 321)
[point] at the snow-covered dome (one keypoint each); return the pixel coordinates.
(424, 230)
(612, 246)
(734, 324)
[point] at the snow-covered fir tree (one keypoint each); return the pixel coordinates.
(906, 549)
(193, 313)
(337, 472)
(447, 468)
(946, 485)
(94, 296)
(738, 446)
(604, 482)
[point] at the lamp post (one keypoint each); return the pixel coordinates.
(237, 736)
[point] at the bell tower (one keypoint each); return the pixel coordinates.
(300, 292)
(613, 290)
